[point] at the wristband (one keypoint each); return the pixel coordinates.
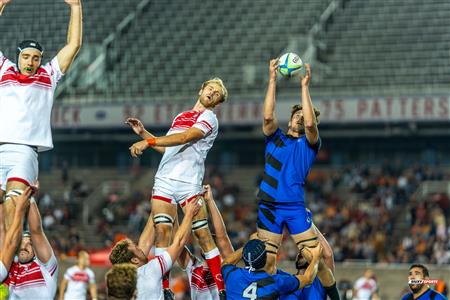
(151, 141)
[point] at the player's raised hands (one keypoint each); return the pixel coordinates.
(310, 252)
(193, 207)
(304, 80)
(73, 2)
(273, 68)
(137, 148)
(5, 1)
(23, 201)
(208, 192)
(136, 125)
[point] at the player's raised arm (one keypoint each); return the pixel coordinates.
(74, 36)
(313, 255)
(270, 122)
(14, 233)
(2, 5)
(193, 134)
(310, 120)
(184, 231)
(41, 245)
(140, 130)
(147, 238)
(222, 240)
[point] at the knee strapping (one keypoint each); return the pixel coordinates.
(312, 242)
(271, 247)
(199, 224)
(13, 193)
(163, 219)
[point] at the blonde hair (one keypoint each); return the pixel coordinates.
(220, 83)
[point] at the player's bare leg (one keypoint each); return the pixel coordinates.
(209, 248)
(9, 206)
(327, 252)
(164, 214)
(2, 218)
(273, 242)
(310, 239)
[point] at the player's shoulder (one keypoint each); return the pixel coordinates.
(208, 113)
(408, 296)
(72, 269)
(438, 296)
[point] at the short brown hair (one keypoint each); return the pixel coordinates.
(424, 269)
(298, 107)
(220, 83)
(120, 253)
(121, 281)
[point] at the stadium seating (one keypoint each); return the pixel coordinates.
(398, 47)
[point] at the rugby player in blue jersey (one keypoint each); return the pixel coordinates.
(253, 282)
(288, 160)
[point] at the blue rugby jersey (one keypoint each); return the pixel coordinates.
(428, 295)
(315, 291)
(288, 162)
(241, 284)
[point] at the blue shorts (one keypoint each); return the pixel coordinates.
(273, 217)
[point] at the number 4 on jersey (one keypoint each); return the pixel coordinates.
(250, 291)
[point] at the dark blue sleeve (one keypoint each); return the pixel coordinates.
(407, 296)
(316, 147)
(226, 270)
(439, 296)
(286, 284)
(268, 138)
(304, 157)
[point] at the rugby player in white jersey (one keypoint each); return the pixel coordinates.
(26, 90)
(201, 280)
(12, 237)
(34, 274)
(151, 272)
(181, 170)
(78, 279)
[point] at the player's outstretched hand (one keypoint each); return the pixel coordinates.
(273, 67)
(137, 148)
(193, 207)
(5, 1)
(310, 252)
(304, 80)
(73, 2)
(23, 201)
(208, 193)
(136, 125)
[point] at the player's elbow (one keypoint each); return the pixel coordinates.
(310, 124)
(268, 118)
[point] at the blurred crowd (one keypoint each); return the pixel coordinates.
(366, 213)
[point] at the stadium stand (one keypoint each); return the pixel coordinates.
(398, 47)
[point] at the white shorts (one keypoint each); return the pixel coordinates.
(174, 191)
(18, 163)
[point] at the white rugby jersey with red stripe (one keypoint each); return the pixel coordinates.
(186, 162)
(78, 281)
(26, 104)
(149, 277)
(34, 280)
(203, 286)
